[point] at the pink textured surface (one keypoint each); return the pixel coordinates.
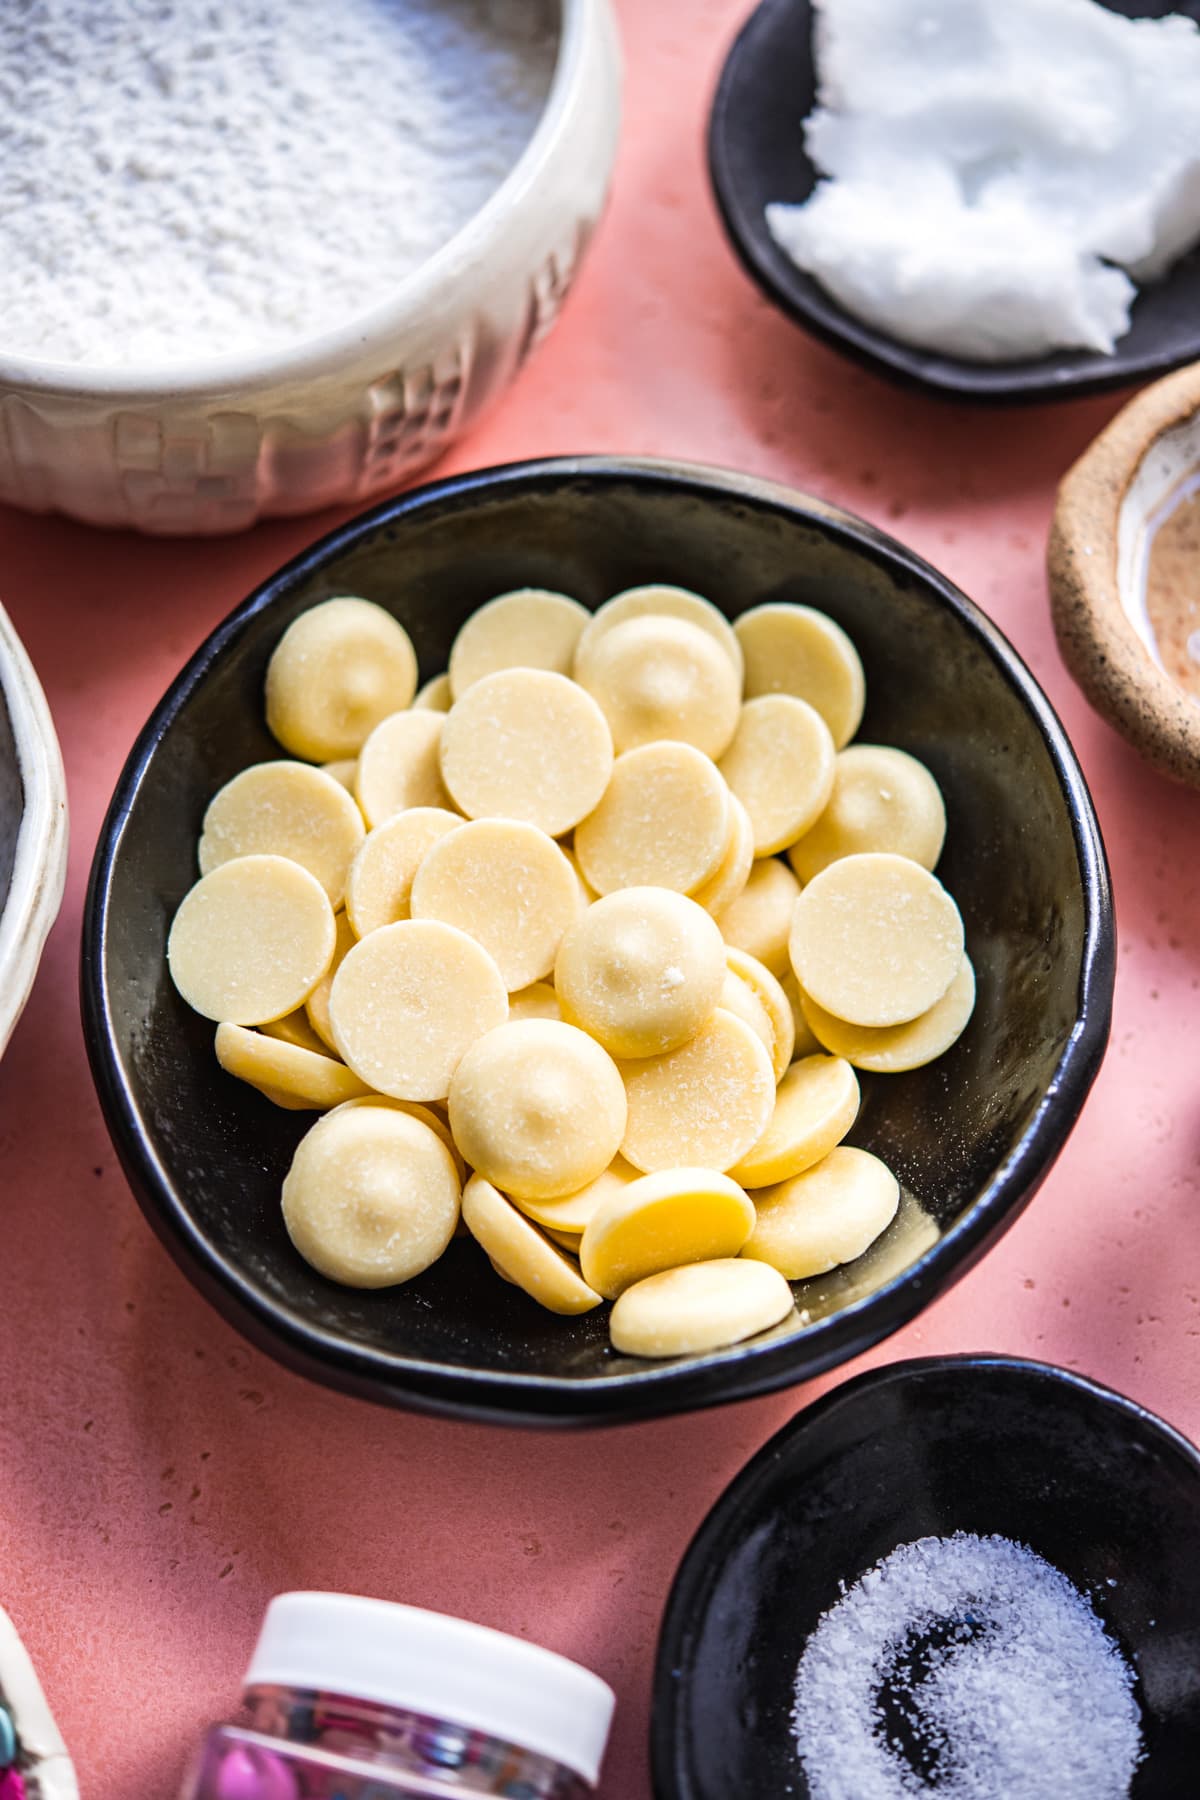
(161, 1480)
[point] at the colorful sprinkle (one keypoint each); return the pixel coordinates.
(12, 1786)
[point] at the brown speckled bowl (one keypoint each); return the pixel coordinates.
(1098, 544)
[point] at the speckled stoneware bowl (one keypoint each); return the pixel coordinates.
(211, 446)
(1110, 506)
(33, 826)
(1087, 1479)
(970, 1136)
(42, 1761)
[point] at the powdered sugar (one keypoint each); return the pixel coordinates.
(967, 1668)
(185, 178)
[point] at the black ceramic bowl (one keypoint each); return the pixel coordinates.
(970, 1137)
(756, 155)
(1092, 1483)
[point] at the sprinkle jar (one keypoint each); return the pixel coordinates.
(355, 1699)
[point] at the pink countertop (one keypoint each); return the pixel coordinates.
(160, 1478)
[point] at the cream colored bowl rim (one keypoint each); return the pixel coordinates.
(30, 907)
(316, 355)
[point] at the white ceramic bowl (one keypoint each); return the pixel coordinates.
(42, 1755)
(213, 446)
(33, 826)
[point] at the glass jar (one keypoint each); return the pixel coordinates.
(353, 1699)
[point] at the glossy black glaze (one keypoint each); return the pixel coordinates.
(971, 1136)
(1100, 1488)
(756, 155)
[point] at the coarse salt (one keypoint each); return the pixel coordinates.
(189, 178)
(967, 1668)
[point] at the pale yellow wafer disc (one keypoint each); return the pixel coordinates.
(295, 1078)
(657, 677)
(531, 628)
(416, 1109)
(825, 1216)
(295, 1028)
(316, 1007)
(250, 941)
(435, 696)
(890, 1049)
(876, 939)
(815, 1106)
(344, 771)
(566, 1240)
(763, 985)
(882, 799)
(538, 1108)
(676, 1216)
(780, 766)
(700, 1307)
(741, 1000)
(736, 864)
(379, 886)
(372, 1196)
(573, 1212)
(537, 1001)
(663, 822)
(399, 766)
(521, 1253)
(408, 1001)
(641, 970)
(796, 650)
(702, 1105)
(587, 892)
(806, 1043)
(337, 671)
(285, 809)
(759, 920)
(505, 884)
(660, 601)
(527, 744)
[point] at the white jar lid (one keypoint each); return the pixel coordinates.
(426, 1662)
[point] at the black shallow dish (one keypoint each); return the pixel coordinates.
(756, 155)
(971, 1136)
(1097, 1486)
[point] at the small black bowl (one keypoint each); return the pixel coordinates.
(756, 155)
(970, 1137)
(1093, 1483)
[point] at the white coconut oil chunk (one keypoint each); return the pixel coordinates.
(999, 177)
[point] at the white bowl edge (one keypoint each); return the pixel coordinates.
(39, 870)
(39, 1736)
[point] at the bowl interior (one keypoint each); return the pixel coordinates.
(1160, 503)
(12, 800)
(757, 155)
(207, 1154)
(1088, 1481)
